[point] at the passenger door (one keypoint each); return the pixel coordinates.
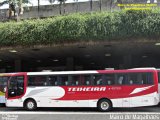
(123, 92)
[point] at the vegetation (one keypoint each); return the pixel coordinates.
(98, 26)
(13, 4)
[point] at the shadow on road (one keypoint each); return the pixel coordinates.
(138, 109)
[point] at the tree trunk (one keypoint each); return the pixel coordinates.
(10, 11)
(100, 5)
(76, 5)
(38, 7)
(111, 5)
(60, 5)
(91, 5)
(20, 7)
(64, 7)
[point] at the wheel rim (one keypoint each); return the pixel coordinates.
(104, 105)
(30, 105)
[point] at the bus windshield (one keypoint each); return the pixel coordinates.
(15, 86)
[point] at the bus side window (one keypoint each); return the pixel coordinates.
(158, 77)
(52, 81)
(108, 79)
(30, 81)
(98, 80)
(147, 78)
(87, 80)
(132, 78)
(63, 80)
(121, 79)
(75, 80)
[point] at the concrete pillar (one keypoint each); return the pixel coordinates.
(17, 64)
(127, 61)
(70, 63)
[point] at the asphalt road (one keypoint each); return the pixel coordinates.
(141, 113)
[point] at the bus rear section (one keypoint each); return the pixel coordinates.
(102, 89)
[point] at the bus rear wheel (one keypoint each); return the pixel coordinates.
(104, 105)
(30, 105)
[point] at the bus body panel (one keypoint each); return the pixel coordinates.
(58, 97)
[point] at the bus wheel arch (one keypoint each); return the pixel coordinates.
(30, 104)
(104, 104)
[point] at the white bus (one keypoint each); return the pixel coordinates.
(3, 83)
(103, 89)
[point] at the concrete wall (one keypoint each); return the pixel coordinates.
(53, 10)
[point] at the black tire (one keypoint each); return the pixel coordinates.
(30, 105)
(104, 105)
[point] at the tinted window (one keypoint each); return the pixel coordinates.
(147, 78)
(140, 78)
(43, 80)
(51, 81)
(16, 86)
(108, 79)
(158, 77)
(121, 79)
(76, 80)
(37, 81)
(135, 79)
(87, 80)
(63, 81)
(97, 80)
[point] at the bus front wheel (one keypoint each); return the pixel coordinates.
(30, 105)
(104, 105)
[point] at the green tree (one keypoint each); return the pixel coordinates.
(13, 4)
